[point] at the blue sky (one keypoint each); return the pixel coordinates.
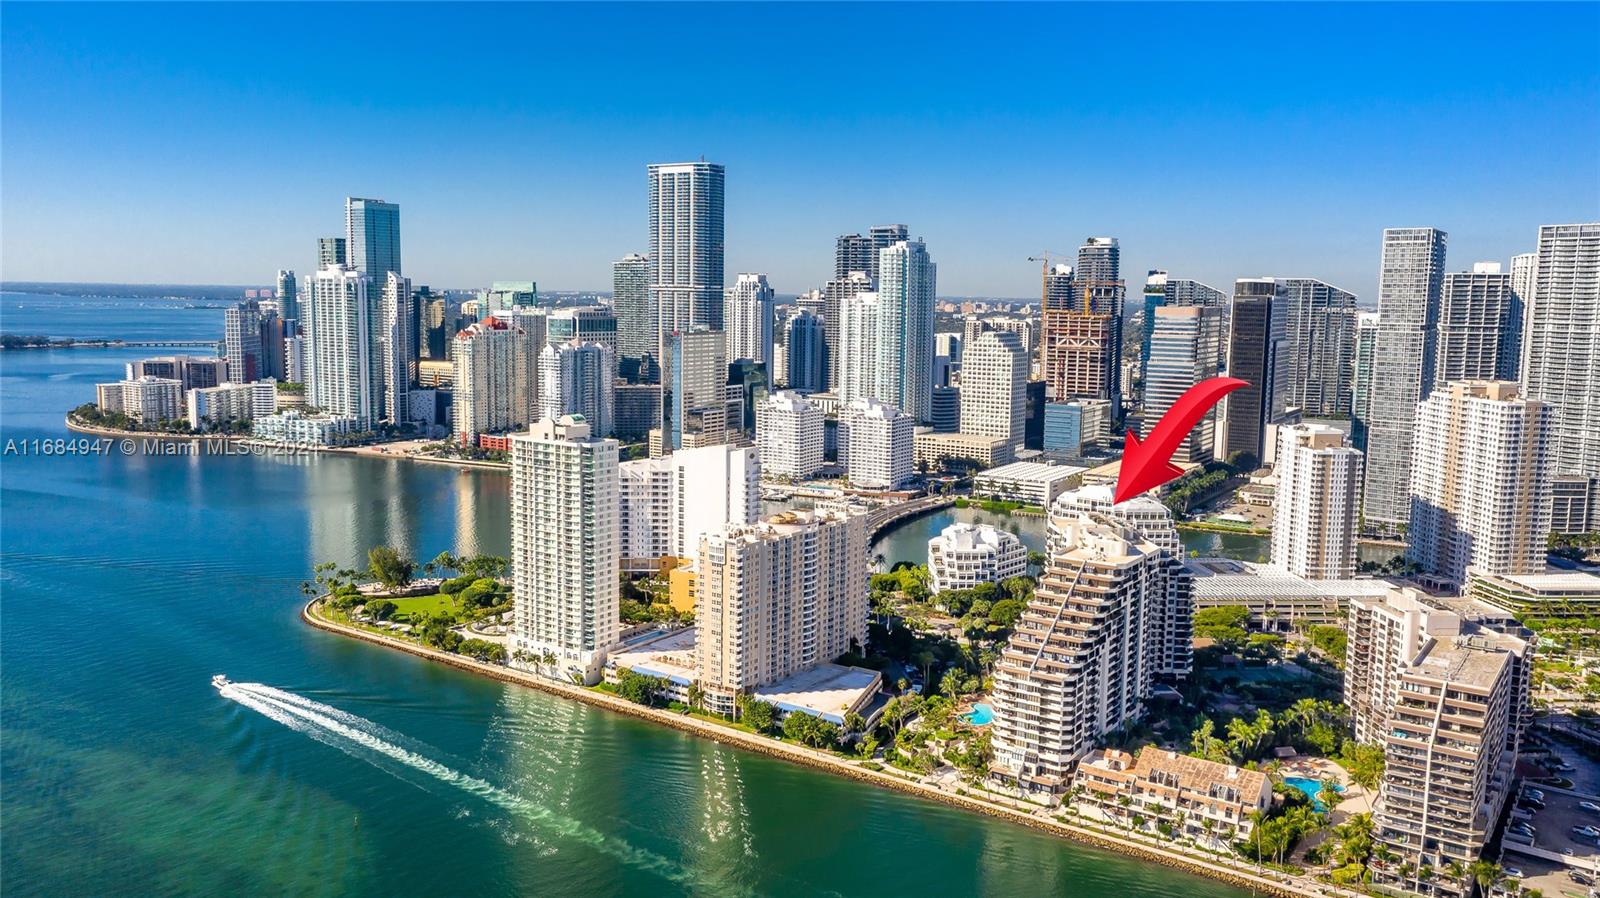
(195, 143)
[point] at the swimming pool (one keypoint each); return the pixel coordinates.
(1310, 788)
(981, 715)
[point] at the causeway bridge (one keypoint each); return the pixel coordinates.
(882, 518)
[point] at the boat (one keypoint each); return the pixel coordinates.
(219, 680)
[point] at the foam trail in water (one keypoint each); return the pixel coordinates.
(356, 735)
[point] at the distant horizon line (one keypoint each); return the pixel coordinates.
(14, 285)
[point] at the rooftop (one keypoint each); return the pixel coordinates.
(1198, 774)
(828, 691)
(1226, 578)
(1038, 472)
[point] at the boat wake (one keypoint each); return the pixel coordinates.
(361, 738)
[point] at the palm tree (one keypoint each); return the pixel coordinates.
(696, 696)
(1487, 874)
(548, 658)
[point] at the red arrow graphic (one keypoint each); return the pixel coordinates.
(1147, 465)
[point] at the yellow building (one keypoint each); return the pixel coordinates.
(681, 584)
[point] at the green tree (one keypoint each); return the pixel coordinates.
(1487, 874)
(756, 714)
(1225, 623)
(640, 688)
(381, 609)
(389, 567)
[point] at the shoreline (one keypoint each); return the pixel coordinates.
(1242, 878)
(93, 430)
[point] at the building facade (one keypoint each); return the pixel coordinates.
(579, 379)
(1408, 308)
(1183, 345)
(776, 598)
(342, 366)
(637, 320)
(994, 381)
(1316, 507)
(686, 245)
(875, 441)
(1559, 366)
(750, 307)
(495, 380)
(1480, 482)
(1480, 326)
(789, 433)
(565, 548)
(964, 555)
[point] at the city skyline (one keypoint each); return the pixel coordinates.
(558, 197)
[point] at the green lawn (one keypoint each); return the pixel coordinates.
(422, 606)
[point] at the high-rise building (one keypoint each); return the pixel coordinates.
(1257, 355)
(1314, 511)
(372, 238)
(506, 295)
(332, 251)
(192, 371)
(1183, 344)
(578, 379)
(274, 332)
(1169, 618)
(694, 376)
(397, 346)
(1081, 320)
(789, 433)
(964, 555)
(1408, 309)
(637, 320)
(1076, 425)
(855, 252)
(686, 245)
(906, 290)
(875, 443)
(1560, 365)
(342, 373)
(146, 399)
(495, 381)
(1480, 482)
(994, 381)
(241, 342)
(1161, 289)
(946, 409)
(1078, 664)
(777, 598)
(288, 294)
(565, 547)
(856, 352)
(1524, 269)
(1480, 323)
(1446, 698)
(638, 410)
(586, 324)
(1319, 332)
(671, 501)
(1361, 378)
(837, 295)
(747, 388)
(805, 352)
(749, 310)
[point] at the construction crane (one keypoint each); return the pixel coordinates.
(1044, 258)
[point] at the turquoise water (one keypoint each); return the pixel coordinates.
(981, 715)
(350, 769)
(1310, 787)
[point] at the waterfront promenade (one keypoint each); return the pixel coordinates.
(1233, 871)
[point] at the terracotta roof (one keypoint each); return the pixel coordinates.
(1198, 774)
